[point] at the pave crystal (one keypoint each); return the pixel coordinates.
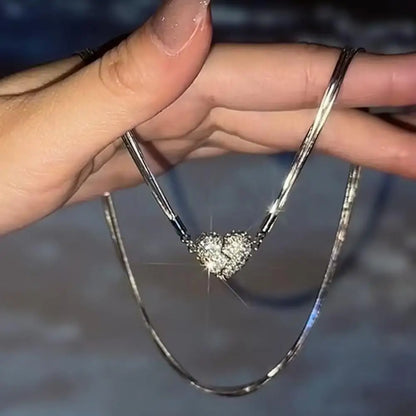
(223, 256)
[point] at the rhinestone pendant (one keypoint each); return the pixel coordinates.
(223, 256)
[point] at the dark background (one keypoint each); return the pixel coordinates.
(70, 341)
(37, 30)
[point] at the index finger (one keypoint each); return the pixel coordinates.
(294, 76)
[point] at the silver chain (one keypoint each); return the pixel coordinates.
(131, 141)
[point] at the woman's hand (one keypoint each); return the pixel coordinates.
(60, 123)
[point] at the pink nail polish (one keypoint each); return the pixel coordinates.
(176, 22)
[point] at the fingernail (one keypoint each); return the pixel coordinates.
(176, 22)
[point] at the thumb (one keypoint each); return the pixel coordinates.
(128, 85)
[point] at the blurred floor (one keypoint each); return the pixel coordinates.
(70, 339)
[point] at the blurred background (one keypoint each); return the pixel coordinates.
(71, 342)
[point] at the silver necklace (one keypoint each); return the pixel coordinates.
(224, 256)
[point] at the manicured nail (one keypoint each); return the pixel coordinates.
(176, 22)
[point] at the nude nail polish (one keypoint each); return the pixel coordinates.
(176, 22)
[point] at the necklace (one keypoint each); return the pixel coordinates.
(224, 256)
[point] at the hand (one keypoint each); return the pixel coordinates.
(60, 122)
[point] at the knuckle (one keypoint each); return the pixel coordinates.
(392, 85)
(121, 73)
(309, 79)
(317, 67)
(401, 158)
(217, 120)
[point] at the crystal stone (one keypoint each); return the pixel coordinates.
(224, 256)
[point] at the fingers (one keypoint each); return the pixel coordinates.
(352, 135)
(82, 114)
(39, 76)
(286, 77)
(118, 173)
(121, 172)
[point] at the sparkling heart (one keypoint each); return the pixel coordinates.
(224, 256)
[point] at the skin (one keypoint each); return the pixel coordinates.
(61, 122)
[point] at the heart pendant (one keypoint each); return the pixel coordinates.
(223, 256)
